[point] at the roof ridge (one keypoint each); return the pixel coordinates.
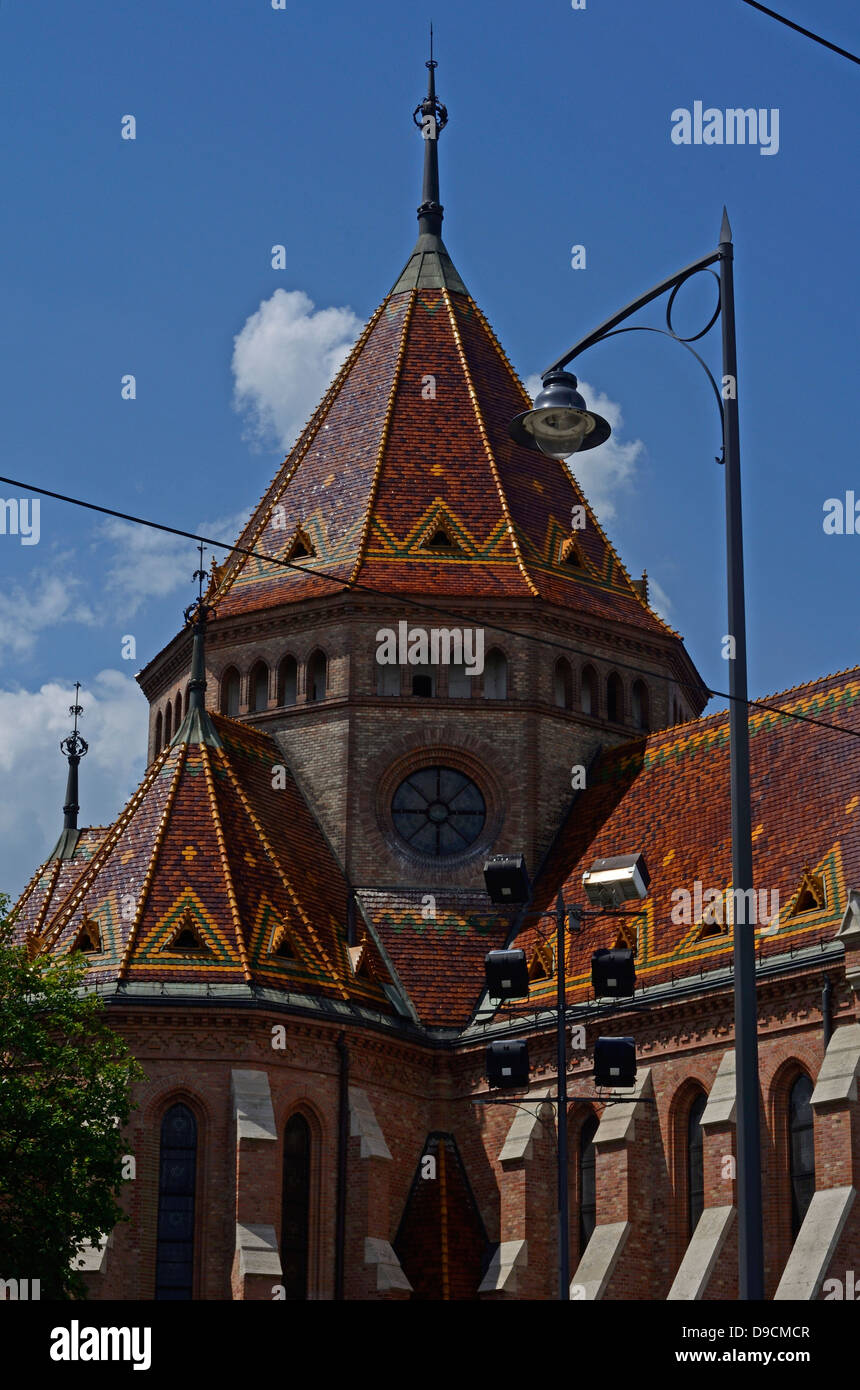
(225, 861)
(77, 889)
(485, 439)
(383, 436)
(262, 512)
(279, 869)
(158, 840)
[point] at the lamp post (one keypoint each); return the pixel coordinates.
(560, 425)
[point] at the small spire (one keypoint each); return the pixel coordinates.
(74, 747)
(725, 227)
(197, 727)
(431, 117)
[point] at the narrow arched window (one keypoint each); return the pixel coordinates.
(640, 705)
(695, 1165)
(589, 691)
(168, 723)
(563, 684)
(230, 692)
(495, 675)
(187, 698)
(177, 1181)
(423, 682)
(177, 712)
(288, 679)
(801, 1150)
(295, 1207)
(614, 699)
(317, 676)
(258, 688)
(159, 731)
(587, 1181)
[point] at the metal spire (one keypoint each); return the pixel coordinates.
(197, 727)
(75, 747)
(431, 117)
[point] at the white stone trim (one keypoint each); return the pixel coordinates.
(816, 1241)
(702, 1253)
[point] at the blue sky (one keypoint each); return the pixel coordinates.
(257, 127)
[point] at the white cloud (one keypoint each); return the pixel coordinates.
(25, 613)
(606, 473)
(152, 564)
(32, 723)
(659, 599)
(284, 359)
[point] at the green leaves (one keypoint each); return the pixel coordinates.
(65, 1096)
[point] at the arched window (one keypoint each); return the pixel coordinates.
(230, 692)
(288, 679)
(589, 691)
(495, 675)
(295, 1207)
(168, 723)
(801, 1150)
(423, 682)
(640, 705)
(159, 731)
(695, 1167)
(460, 683)
(587, 1181)
(614, 699)
(563, 684)
(177, 712)
(177, 1180)
(258, 688)
(317, 676)
(187, 698)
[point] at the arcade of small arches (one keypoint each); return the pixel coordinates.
(182, 1156)
(292, 682)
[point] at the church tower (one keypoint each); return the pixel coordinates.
(431, 622)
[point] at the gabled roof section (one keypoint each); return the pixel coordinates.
(667, 796)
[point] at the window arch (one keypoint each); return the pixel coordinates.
(496, 675)
(168, 723)
(230, 692)
(288, 681)
(177, 1183)
(614, 699)
(159, 731)
(801, 1150)
(295, 1207)
(588, 698)
(563, 684)
(641, 713)
(177, 712)
(317, 676)
(695, 1164)
(587, 1181)
(187, 698)
(424, 682)
(258, 688)
(387, 680)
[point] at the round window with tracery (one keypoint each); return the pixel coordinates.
(438, 811)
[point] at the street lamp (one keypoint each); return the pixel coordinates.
(560, 425)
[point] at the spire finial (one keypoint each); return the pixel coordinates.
(74, 747)
(431, 117)
(197, 727)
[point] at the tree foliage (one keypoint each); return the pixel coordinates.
(65, 1095)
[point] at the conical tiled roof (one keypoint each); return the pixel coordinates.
(215, 873)
(410, 440)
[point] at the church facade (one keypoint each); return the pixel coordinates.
(423, 651)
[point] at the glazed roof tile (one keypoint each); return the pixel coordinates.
(667, 796)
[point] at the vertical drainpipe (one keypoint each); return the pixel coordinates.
(342, 1139)
(827, 1011)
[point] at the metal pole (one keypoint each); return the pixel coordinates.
(561, 1110)
(750, 1248)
